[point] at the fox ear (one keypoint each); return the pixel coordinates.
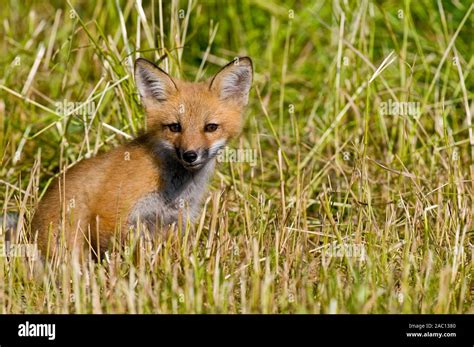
(153, 83)
(233, 81)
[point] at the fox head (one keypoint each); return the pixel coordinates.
(192, 121)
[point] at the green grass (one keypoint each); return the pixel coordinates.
(331, 168)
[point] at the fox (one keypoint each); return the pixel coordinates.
(157, 177)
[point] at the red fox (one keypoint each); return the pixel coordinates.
(157, 176)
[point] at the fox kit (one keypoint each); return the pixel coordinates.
(158, 176)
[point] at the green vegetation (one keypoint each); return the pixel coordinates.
(361, 198)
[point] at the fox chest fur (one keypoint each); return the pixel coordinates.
(179, 194)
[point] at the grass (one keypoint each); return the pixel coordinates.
(348, 210)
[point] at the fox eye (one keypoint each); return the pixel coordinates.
(174, 127)
(211, 127)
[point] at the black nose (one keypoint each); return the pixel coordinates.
(190, 156)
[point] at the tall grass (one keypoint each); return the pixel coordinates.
(349, 209)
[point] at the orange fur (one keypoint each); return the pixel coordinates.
(92, 201)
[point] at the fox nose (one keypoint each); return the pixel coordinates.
(190, 156)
